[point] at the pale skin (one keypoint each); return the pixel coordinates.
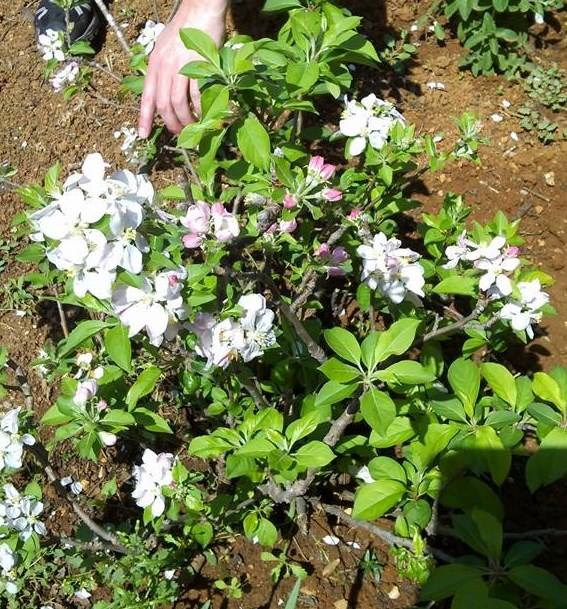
(166, 92)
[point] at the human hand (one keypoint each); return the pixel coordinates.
(165, 90)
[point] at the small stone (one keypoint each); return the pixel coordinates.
(341, 604)
(541, 242)
(394, 593)
(538, 209)
(330, 568)
(549, 178)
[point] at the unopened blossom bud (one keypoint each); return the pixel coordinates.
(102, 405)
(289, 201)
(323, 250)
(271, 229)
(197, 218)
(288, 226)
(107, 438)
(85, 391)
(512, 251)
(318, 167)
(192, 241)
(331, 194)
(98, 372)
(354, 214)
(339, 255)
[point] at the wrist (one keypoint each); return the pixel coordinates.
(201, 9)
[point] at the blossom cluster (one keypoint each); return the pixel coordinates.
(222, 342)
(50, 45)
(332, 259)
(65, 76)
(151, 476)
(149, 35)
(498, 262)
(391, 270)
(89, 256)
(369, 120)
(12, 442)
(85, 392)
(20, 513)
(202, 220)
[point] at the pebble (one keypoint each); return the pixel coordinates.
(549, 178)
(538, 209)
(341, 604)
(394, 593)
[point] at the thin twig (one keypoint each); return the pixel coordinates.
(62, 317)
(188, 163)
(98, 66)
(174, 10)
(457, 325)
(383, 534)
(115, 27)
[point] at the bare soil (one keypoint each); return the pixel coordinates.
(38, 128)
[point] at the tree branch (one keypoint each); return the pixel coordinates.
(457, 325)
(112, 23)
(383, 534)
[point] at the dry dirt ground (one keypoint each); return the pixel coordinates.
(38, 128)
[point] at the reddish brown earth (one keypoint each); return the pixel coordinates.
(38, 128)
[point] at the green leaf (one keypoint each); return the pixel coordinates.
(501, 381)
(335, 370)
(539, 582)
(457, 284)
(314, 454)
(373, 500)
(333, 392)
(406, 372)
(54, 416)
(549, 463)
(81, 333)
(368, 349)
(118, 418)
(498, 460)
(257, 448)
(547, 388)
(445, 581)
(464, 377)
(302, 427)
(397, 339)
(386, 468)
(144, 385)
(202, 43)
(254, 142)
(431, 443)
(272, 6)
(344, 344)
(150, 420)
(294, 594)
(378, 410)
(302, 75)
(118, 346)
(207, 447)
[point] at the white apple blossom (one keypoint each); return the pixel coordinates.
(496, 278)
(391, 270)
(257, 324)
(128, 145)
(86, 390)
(222, 342)
(12, 442)
(368, 121)
(83, 594)
(50, 45)
(27, 522)
(127, 245)
(7, 564)
(156, 307)
(151, 476)
(457, 253)
(149, 35)
(526, 310)
(65, 76)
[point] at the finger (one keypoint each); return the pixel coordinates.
(195, 98)
(163, 103)
(180, 100)
(148, 104)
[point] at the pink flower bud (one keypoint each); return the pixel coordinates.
(335, 271)
(192, 241)
(339, 255)
(288, 226)
(272, 229)
(512, 251)
(197, 218)
(289, 201)
(332, 194)
(102, 405)
(354, 214)
(316, 164)
(328, 171)
(323, 250)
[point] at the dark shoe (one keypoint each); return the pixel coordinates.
(83, 19)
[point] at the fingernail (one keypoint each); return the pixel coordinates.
(143, 133)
